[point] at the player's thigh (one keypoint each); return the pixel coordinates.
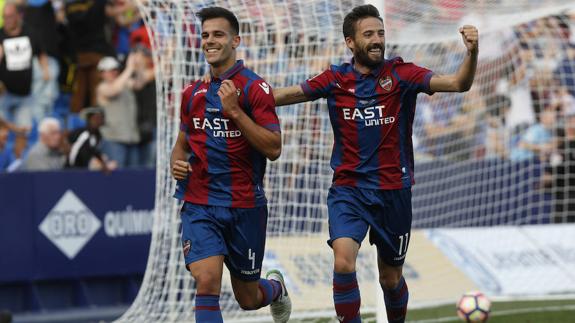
(246, 240)
(202, 236)
(346, 209)
(391, 226)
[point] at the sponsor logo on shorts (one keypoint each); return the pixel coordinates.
(399, 258)
(250, 272)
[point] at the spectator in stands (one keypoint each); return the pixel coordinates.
(12, 127)
(496, 133)
(49, 153)
(11, 152)
(87, 24)
(116, 96)
(85, 143)
(565, 71)
(127, 20)
(145, 91)
(41, 20)
(18, 50)
(438, 133)
(537, 141)
(563, 172)
(5, 155)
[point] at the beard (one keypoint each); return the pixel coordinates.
(362, 56)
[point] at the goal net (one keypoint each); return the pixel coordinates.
(479, 159)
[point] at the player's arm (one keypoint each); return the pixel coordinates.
(289, 95)
(267, 142)
(462, 80)
(179, 159)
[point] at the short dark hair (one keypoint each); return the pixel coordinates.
(219, 12)
(355, 15)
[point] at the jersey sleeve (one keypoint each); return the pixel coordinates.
(261, 101)
(185, 107)
(319, 86)
(417, 77)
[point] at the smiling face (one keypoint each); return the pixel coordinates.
(368, 42)
(219, 43)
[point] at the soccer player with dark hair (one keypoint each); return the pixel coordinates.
(228, 128)
(371, 103)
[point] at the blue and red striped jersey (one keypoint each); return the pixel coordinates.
(226, 170)
(372, 117)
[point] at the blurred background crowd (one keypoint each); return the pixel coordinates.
(77, 86)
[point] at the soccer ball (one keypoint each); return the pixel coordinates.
(473, 307)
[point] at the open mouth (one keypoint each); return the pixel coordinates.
(376, 50)
(212, 50)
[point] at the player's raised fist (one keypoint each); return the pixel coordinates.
(228, 94)
(181, 169)
(470, 37)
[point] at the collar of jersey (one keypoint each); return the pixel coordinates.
(238, 66)
(374, 72)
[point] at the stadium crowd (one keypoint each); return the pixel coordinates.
(78, 86)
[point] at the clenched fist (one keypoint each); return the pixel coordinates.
(181, 169)
(228, 94)
(470, 37)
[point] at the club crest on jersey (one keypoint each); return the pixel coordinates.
(386, 83)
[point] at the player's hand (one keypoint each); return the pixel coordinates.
(229, 96)
(181, 169)
(207, 78)
(470, 37)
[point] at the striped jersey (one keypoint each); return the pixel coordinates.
(226, 170)
(371, 117)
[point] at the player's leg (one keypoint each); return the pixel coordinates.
(346, 295)
(208, 276)
(204, 252)
(347, 229)
(395, 291)
(390, 232)
(246, 244)
(252, 295)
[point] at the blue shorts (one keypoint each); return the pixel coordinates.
(386, 213)
(237, 233)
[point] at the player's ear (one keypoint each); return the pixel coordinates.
(236, 41)
(349, 43)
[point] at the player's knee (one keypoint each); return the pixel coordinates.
(207, 283)
(248, 303)
(390, 278)
(344, 264)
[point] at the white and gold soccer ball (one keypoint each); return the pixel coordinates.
(473, 307)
